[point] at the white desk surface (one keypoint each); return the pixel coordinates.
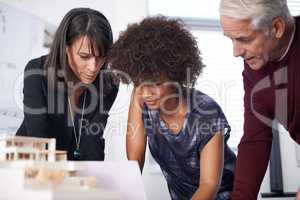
(122, 177)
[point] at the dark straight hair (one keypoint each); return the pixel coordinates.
(77, 22)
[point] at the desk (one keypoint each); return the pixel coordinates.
(123, 178)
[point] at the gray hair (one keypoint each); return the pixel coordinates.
(261, 12)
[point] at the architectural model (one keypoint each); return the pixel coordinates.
(32, 167)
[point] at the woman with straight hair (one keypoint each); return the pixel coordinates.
(69, 92)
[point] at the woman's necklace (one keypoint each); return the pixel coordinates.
(77, 150)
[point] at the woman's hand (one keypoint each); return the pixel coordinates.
(137, 98)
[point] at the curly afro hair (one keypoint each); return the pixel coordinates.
(156, 47)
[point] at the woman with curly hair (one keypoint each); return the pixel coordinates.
(186, 129)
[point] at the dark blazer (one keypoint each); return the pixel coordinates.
(47, 115)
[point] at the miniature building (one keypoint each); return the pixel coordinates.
(44, 178)
(13, 148)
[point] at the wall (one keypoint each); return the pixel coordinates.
(53, 11)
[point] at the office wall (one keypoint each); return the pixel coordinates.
(21, 38)
(118, 12)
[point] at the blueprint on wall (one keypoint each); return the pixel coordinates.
(22, 37)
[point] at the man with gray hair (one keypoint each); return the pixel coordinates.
(267, 37)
